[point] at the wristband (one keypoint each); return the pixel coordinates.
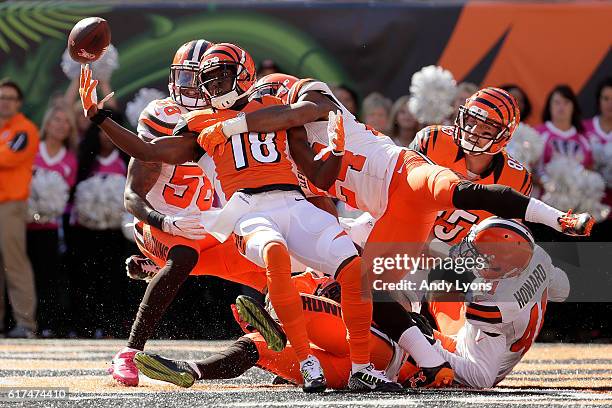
(235, 126)
(335, 153)
(156, 219)
(99, 117)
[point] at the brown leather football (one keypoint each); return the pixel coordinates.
(89, 39)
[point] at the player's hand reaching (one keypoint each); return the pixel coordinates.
(335, 133)
(212, 139)
(577, 225)
(221, 127)
(87, 92)
(185, 223)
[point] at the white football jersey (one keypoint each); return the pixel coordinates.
(368, 162)
(503, 324)
(177, 187)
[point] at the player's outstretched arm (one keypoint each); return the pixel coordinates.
(322, 173)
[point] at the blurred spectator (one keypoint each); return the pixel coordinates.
(98, 276)
(562, 127)
(375, 111)
(598, 130)
(18, 146)
(267, 67)
(521, 98)
(57, 153)
(403, 126)
(347, 97)
(464, 91)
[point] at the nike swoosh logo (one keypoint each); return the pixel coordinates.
(299, 199)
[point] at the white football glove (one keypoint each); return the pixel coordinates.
(335, 133)
(185, 223)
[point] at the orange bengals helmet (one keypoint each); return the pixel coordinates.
(183, 81)
(227, 72)
(275, 84)
(486, 121)
(505, 246)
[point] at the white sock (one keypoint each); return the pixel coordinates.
(195, 368)
(356, 367)
(542, 213)
(413, 341)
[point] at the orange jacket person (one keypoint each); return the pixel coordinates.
(18, 147)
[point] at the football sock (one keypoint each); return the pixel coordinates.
(229, 363)
(285, 297)
(160, 292)
(356, 310)
(419, 348)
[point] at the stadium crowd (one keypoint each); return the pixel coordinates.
(65, 275)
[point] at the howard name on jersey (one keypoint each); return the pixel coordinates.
(502, 324)
(177, 187)
(436, 142)
(369, 158)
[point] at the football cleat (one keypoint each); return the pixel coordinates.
(312, 372)
(247, 328)
(140, 268)
(369, 379)
(157, 367)
(123, 368)
(434, 377)
(578, 225)
(251, 312)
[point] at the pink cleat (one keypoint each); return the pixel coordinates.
(123, 368)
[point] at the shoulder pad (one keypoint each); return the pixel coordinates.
(159, 118)
(305, 85)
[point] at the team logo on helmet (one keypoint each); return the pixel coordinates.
(227, 72)
(486, 121)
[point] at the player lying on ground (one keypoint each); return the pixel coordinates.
(399, 187)
(499, 329)
(327, 334)
(267, 212)
(502, 324)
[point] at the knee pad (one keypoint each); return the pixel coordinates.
(256, 243)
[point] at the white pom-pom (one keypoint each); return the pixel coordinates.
(102, 68)
(526, 146)
(99, 201)
(602, 155)
(142, 98)
(567, 184)
(48, 196)
(432, 92)
(127, 226)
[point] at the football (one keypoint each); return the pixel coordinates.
(89, 39)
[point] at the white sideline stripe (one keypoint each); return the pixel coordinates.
(354, 402)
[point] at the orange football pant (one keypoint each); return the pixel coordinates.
(216, 259)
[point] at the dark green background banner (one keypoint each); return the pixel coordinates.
(369, 46)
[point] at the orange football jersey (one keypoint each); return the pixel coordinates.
(250, 160)
(437, 143)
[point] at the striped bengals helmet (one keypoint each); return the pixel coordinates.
(506, 246)
(275, 84)
(183, 81)
(227, 72)
(486, 121)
